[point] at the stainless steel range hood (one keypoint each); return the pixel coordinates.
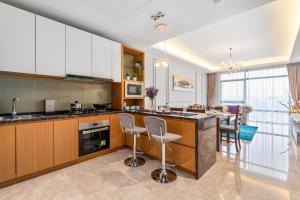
(72, 77)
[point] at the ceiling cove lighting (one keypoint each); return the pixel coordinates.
(230, 65)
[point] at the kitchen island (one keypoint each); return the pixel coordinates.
(195, 152)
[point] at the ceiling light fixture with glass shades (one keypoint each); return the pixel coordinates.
(161, 27)
(163, 61)
(230, 65)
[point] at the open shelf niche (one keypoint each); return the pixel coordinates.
(133, 64)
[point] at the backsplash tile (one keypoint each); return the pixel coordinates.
(33, 91)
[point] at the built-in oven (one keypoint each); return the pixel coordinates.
(134, 89)
(93, 136)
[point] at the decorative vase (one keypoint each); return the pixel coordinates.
(152, 104)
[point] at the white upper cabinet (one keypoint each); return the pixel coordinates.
(78, 52)
(116, 61)
(17, 40)
(50, 47)
(101, 57)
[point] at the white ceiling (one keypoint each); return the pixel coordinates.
(128, 21)
(261, 36)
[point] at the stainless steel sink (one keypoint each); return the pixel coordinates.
(20, 117)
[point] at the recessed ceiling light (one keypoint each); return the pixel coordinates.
(219, 2)
(161, 27)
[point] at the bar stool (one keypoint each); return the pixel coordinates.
(157, 130)
(128, 127)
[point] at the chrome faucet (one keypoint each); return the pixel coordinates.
(13, 108)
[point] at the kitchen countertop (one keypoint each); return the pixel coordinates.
(42, 116)
(66, 114)
(174, 114)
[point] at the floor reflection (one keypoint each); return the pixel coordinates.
(268, 154)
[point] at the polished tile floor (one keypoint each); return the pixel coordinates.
(266, 168)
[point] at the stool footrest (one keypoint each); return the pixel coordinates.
(171, 165)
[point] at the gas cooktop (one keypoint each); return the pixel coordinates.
(88, 111)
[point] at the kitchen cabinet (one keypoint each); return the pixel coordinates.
(17, 40)
(101, 57)
(7, 153)
(65, 141)
(78, 52)
(34, 142)
(50, 47)
(117, 137)
(116, 61)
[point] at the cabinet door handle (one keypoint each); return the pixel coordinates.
(95, 130)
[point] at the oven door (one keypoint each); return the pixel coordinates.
(134, 90)
(93, 140)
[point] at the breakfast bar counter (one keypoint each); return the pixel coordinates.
(195, 152)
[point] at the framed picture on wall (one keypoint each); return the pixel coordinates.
(183, 84)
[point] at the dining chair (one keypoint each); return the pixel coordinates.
(231, 129)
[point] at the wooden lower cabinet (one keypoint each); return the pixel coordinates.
(34, 144)
(117, 137)
(7, 153)
(65, 141)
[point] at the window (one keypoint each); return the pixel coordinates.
(232, 88)
(263, 89)
(233, 92)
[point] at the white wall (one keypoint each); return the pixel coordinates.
(162, 78)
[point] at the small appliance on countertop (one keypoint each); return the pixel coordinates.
(76, 108)
(49, 106)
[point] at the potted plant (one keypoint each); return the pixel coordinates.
(291, 106)
(127, 77)
(134, 77)
(151, 92)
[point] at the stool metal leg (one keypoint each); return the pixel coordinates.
(134, 161)
(163, 175)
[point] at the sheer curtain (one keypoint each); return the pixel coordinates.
(232, 88)
(294, 80)
(263, 89)
(211, 88)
